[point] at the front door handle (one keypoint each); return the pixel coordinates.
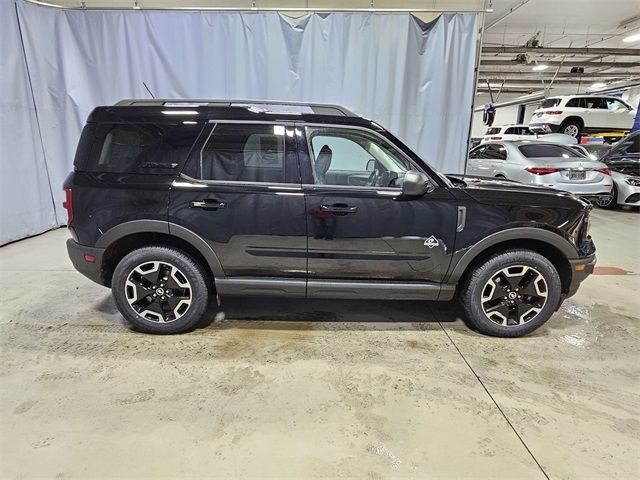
(208, 204)
(338, 209)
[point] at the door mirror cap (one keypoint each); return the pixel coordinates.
(415, 184)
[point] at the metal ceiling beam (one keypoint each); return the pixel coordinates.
(508, 90)
(534, 81)
(508, 12)
(556, 63)
(628, 52)
(562, 74)
(372, 9)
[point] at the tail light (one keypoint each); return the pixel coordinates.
(606, 171)
(68, 204)
(496, 138)
(554, 112)
(541, 171)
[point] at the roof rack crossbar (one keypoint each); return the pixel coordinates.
(217, 102)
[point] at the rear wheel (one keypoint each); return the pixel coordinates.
(572, 128)
(512, 293)
(611, 202)
(160, 290)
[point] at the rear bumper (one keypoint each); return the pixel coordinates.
(544, 127)
(81, 256)
(581, 268)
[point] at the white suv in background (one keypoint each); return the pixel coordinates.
(577, 114)
(507, 132)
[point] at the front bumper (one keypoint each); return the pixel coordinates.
(86, 260)
(627, 194)
(581, 268)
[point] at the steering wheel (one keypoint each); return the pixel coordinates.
(374, 177)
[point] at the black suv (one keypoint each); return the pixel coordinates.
(171, 202)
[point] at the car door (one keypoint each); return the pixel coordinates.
(597, 114)
(494, 157)
(241, 193)
(478, 164)
(360, 227)
(620, 115)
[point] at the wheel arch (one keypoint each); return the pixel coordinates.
(548, 244)
(573, 118)
(124, 238)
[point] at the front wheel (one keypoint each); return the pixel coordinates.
(160, 290)
(512, 293)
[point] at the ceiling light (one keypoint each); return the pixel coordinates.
(632, 38)
(597, 86)
(540, 67)
(179, 112)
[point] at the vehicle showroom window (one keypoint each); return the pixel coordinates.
(353, 157)
(244, 153)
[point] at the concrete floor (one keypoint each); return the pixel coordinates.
(293, 389)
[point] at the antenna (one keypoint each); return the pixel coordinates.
(145, 86)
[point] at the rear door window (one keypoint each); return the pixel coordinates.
(243, 153)
(135, 148)
(495, 152)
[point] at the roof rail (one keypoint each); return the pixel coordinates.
(318, 108)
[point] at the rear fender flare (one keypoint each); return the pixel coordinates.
(159, 226)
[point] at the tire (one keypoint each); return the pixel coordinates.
(612, 202)
(534, 301)
(164, 304)
(572, 128)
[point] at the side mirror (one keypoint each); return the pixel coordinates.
(415, 184)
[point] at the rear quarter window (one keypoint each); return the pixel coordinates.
(493, 131)
(140, 147)
(550, 102)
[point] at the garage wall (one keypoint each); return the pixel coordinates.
(26, 204)
(414, 78)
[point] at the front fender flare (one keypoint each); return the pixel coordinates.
(524, 233)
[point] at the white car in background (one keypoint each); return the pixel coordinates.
(578, 114)
(507, 132)
(544, 164)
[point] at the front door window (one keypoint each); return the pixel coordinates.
(352, 157)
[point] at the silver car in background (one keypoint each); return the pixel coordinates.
(623, 159)
(544, 164)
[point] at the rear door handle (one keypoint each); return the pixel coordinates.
(208, 204)
(338, 209)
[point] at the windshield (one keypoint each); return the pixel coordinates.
(597, 150)
(543, 150)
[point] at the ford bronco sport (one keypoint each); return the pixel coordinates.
(173, 202)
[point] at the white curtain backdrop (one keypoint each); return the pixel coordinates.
(411, 77)
(26, 206)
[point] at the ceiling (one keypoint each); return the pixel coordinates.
(572, 27)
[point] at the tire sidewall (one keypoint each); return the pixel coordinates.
(477, 281)
(574, 123)
(186, 265)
